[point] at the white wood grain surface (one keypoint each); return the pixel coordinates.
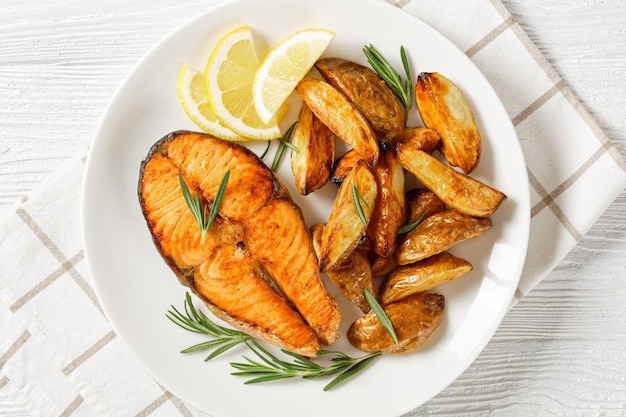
(560, 352)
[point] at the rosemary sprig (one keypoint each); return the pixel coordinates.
(272, 368)
(197, 322)
(267, 149)
(357, 198)
(380, 314)
(218, 197)
(283, 144)
(403, 89)
(410, 226)
(198, 209)
(268, 367)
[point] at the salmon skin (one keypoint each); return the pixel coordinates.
(256, 269)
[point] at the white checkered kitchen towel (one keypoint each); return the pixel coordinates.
(64, 358)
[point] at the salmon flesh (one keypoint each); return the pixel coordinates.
(256, 269)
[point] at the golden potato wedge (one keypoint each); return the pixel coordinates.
(389, 211)
(367, 91)
(444, 109)
(421, 203)
(344, 165)
(365, 244)
(341, 116)
(382, 266)
(438, 233)
(457, 190)
(422, 276)
(313, 163)
(414, 319)
(344, 227)
(421, 138)
(316, 238)
(351, 275)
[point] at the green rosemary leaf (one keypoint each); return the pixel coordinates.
(190, 311)
(217, 202)
(278, 156)
(212, 327)
(223, 348)
(250, 367)
(182, 324)
(410, 226)
(357, 198)
(177, 318)
(266, 356)
(198, 209)
(268, 378)
(267, 367)
(333, 369)
(280, 151)
(196, 321)
(353, 370)
(403, 89)
(195, 205)
(381, 66)
(271, 368)
(299, 363)
(267, 149)
(290, 146)
(338, 354)
(408, 82)
(380, 313)
(202, 346)
(302, 360)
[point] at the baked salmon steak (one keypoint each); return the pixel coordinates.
(255, 267)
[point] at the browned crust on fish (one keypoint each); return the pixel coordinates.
(231, 280)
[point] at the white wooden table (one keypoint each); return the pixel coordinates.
(561, 351)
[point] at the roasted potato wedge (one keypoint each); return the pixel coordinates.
(389, 211)
(382, 266)
(421, 138)
(414, 319)
(422, 276)
(313, 163)
(367, 91)
(341, 116)
(457, 190)
(437, 233)
(351, 275)
(444, 109)
(316, 238)
(344, 228)
(421, 203)
(344, 165)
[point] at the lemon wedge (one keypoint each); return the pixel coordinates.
(284, 66)
(193, 97)
(229, 75)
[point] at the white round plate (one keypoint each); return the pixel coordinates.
(136, 288)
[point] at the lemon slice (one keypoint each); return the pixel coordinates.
(284, 65)
(229, 75)
(192, 95)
